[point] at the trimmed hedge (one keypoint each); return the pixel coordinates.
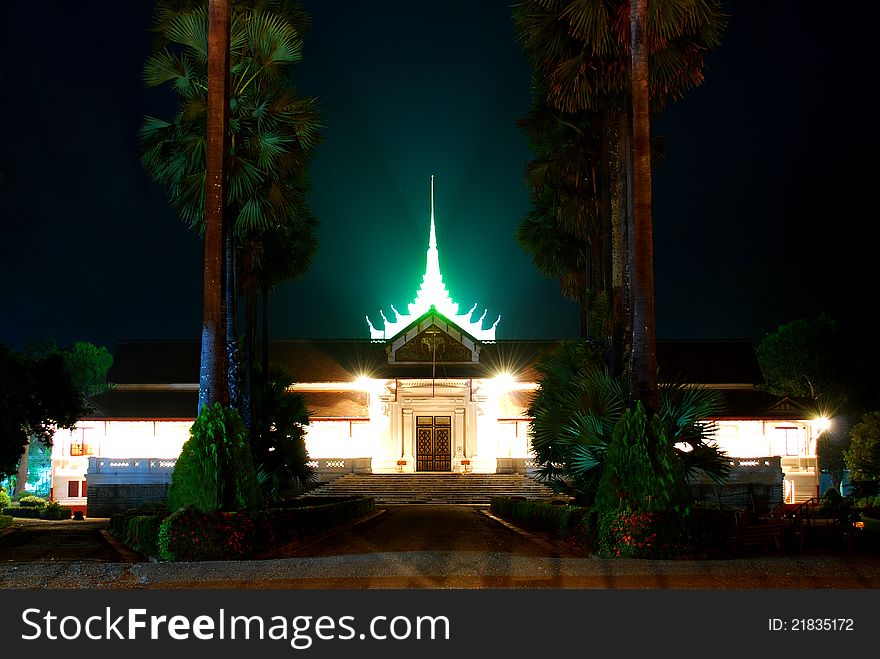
(564, 522)
(31, 501)
(55, 510)
(191, 535)
(142, 533)
(5, 520)
(52, 511)
(29, 513)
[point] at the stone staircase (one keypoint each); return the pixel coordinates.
(473, 489)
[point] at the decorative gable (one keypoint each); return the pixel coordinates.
(433, 339)
(787, 406)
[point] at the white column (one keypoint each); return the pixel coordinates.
(408, 444)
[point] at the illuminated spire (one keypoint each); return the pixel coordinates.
(433, 293)
(432, 241)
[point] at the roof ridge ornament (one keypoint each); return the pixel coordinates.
(432, 294)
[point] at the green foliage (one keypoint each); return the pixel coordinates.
(54, 510)
(142, 533)
(18, 511)
(802, 359)
(5, 499)
(567, 523)
(215, 469)
(863, 455)
(278, 438)
(31, 501)
(641, 472)
(5, 520)
(192, 535)
(578, 405)
(37, 395)
(300, 518)
(273, 130)
(88, 365)
(642, 534)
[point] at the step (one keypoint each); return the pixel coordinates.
(436, 488)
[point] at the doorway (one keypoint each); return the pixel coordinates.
(433, 443)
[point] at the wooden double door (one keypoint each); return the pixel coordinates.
(433, 443)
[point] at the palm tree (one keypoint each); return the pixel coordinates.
(580, 53)
(643, 368)
(578, 405)
(272, 131)
(277, 443)
(213, 377)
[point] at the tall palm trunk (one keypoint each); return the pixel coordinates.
(230, 300)
(213, 376)
(250, 329)
(644, 348)
(264, 353)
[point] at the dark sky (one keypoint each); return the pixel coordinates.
(762, 206)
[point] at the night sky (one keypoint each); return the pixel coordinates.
(761, 207)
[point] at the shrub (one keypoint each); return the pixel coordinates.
(192, 535)
(5, 520)
(567, 523)
(143, 533)
(31, 501)
(316, 515)
(54, 510)
(16, 511)
(215, 469)
(641, 534)
(5, 500)
(711, 530)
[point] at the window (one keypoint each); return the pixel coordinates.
(73, 488)
(81, 449)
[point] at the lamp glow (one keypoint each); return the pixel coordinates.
(822, 424)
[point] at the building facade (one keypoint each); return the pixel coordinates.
(431, 390)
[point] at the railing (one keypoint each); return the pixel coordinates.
(130, 465)
(817, 513)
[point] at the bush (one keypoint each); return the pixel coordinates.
(567, 523)
(316, 515)
(5, 520)
(54, 510)
(192, 535)
(143, 533)
(711, 530)
(5, 500)
(216, 456)
(642, 534)
(29, 513)
(31, 501)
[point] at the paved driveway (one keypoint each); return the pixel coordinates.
(406, 547)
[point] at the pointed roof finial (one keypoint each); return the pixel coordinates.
(432, 242)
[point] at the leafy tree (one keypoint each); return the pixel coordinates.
(863, 455)
(278, 434)
(803, 359)
(808, 359)
(85, 363)
(36, 397)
